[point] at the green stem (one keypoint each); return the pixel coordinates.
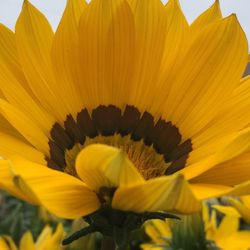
(108, 244)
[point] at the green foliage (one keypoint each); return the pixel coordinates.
(16, 217)
(189, 234)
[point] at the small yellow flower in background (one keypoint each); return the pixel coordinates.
(124, 111)
(227, 235)
(240, 208)
(224, 235)
(47, 240)
(243, 207)
(160, 233)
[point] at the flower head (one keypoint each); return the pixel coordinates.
(122, 109)
(192, 233)
(47, 240)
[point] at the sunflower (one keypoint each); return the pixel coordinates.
(119, 112)
(47, 240)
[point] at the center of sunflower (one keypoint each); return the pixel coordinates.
(155, 148)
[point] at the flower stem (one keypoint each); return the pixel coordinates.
(108, 244)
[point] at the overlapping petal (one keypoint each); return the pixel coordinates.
(164, 193)
(104, 166)
(65, 196)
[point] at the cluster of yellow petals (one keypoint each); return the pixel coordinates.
(189, 75)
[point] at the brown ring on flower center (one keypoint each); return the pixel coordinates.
(107, 121)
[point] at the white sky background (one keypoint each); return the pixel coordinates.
(9, 10)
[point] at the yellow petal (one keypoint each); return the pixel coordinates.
(242, 209)
(10, 145)
(104, 166)
(171, 193)
(211, 69)
(240, 241)
(12, 79)
(246, 200)
(27, 242)
(7, 183)
(7, 128)
(54, 242)
(62, 194)
(44, 237)
(211, 15)
(65, 54)
(239, 144)
(241, 189)
(175, 46)
(157, 230)
(3, 244)
(150, 247)
(26, 126)
(227, 210)
(106, 34)
(9, 55)
(6, 243)
(231, 172)
(34, 37)
(205, 191)
(228, 225)
(234, 115)
(150, 30)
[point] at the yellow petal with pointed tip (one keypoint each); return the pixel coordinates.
(54, 242)
(229, 225)
(44, 237)
(150, 30)
(242, 209)
(9, 56)
(170, 193)
(175, 46)
(13, 83)
(65, 54)
(211, 69)
(34, 37)
(100, 165)
(27, 242)
(227, 210)
(106, 34)
(211, 15)
(60, 193)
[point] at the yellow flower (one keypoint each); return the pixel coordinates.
(225, 235)
(240, 208)
(243, 207)
(47, 240)
(160, 233)
(123, 108)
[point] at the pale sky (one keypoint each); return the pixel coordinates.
(9, 10)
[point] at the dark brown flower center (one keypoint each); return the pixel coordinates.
(155, 148)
